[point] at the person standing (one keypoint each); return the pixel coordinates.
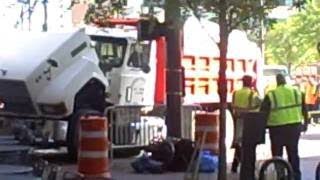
(243, 100)
(317, 108)
(310, 97)
(286, 111)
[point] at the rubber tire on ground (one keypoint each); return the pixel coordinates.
(73, 131)
(126, 152)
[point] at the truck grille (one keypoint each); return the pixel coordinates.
(16, 98)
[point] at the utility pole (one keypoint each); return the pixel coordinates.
(174, 71)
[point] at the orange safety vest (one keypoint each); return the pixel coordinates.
(310, 94)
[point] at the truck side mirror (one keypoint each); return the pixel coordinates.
(149, 29)
(145, 68)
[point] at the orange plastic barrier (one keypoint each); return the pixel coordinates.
(208, 122)
(93, 159)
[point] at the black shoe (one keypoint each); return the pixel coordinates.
(234, 166)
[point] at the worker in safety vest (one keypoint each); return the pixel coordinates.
(243, 100)
(286, 112)
(311, 96)
(317, 106)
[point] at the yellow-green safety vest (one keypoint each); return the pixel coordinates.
(245, 99)
(286, 106)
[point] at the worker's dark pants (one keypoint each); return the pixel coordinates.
(248, 159)
(236, 157)
(287, 136)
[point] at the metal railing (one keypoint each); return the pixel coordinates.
(281, 166)
(129, 127)
(132, 127)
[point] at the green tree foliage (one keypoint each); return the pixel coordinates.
(293, 42)
(241, 14)
(100, 10)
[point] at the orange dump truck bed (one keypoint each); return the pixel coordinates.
(201, 77)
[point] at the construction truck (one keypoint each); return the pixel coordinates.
(201, 62)
(61, 76)
(53, 76)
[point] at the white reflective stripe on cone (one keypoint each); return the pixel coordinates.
(210, 146)
(94, 134)
(93, 154)
(207, 128)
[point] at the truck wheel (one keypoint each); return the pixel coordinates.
(74, 129)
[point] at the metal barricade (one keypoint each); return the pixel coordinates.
(318, 172)
(131, 127)
(280, 165)
(188, 121)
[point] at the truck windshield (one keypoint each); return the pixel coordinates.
(111, 51)
(139, 54)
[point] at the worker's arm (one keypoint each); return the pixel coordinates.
(232, 104)
(304, 113)
(266, 105)
(304, 108)
(256, 100)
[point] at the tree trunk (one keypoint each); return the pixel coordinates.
(222, 89)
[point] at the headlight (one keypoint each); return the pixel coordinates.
(53, 109)
(2, 104)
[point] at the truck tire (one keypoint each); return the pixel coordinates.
(74, 129)
(89, 100)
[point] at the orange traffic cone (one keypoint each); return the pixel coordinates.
(93, 161)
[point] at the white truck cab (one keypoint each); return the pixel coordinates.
(128, 64)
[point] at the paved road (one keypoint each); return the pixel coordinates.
(309, 154)
(121, 170)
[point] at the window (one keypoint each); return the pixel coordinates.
(111, 51)
(139, 55)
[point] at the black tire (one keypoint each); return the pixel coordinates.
(74, 129)
(126, 152)
(89, 100)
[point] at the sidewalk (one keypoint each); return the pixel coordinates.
(121, 170)
(309, 158)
